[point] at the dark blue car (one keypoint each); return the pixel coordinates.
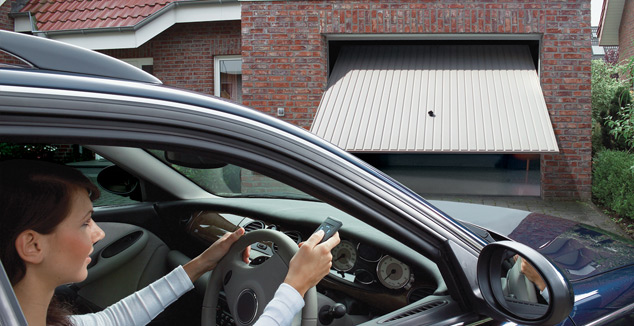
(179, 169)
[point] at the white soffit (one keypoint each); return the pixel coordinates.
(126, 38)
(611, 15)
(484, 99)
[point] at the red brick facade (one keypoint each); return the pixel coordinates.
(6, 22)
(285, 58)
(184, 54)
(626, 32)
(284, 51)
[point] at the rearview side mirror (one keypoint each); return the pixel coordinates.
(118, 181)
(193, 160)
(521, 285)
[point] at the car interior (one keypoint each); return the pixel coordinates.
(159, 209)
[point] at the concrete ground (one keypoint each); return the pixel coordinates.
(584, 212)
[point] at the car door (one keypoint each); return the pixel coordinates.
(174, 119)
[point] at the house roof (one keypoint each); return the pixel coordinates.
(116, 24)
(57, 15)
(435, 99)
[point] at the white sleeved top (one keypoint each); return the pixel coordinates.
(141, 307)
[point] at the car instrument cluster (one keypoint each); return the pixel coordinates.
(359, 269)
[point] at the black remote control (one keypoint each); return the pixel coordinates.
(330, 227)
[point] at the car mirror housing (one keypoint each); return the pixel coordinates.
(521, 285)
(118, 181)
(192, 160)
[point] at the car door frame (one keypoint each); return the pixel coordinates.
(298, 159)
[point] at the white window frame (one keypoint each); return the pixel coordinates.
(217, 60)
(139, 62)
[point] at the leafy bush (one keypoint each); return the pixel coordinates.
(597, 138)
(26, 151)
(613, 181)
(605, 83)
(614, 121)
(622, 128)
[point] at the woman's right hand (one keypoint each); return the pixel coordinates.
(311, 263)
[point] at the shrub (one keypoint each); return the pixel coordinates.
(27, 151)
(605, 83)
(615, 121)
(622, 128)
(613, 181)
(597, 138)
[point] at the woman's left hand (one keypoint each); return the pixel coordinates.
(209, 259)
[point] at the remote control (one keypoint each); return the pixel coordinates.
(330, 227)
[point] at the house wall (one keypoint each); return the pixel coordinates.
(284, 51)
(626, 32)
(6, 22)
(184, 54)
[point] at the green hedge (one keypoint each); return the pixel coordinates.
(613, 181)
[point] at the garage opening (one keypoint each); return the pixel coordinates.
(454, 174)
(469, 114)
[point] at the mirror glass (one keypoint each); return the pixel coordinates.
(523, 287)
(193, 160)
(117, 181)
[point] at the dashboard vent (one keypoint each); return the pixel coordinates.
(252, 226)
(425, 307)
(294, 235)
(419, 293)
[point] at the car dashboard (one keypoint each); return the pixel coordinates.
(365, 277)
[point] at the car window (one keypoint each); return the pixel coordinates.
(77, 156)
(227, 180)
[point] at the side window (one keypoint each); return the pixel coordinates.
(228, 77)
(146, 64)
(77, 156)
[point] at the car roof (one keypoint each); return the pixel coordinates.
(47, 54)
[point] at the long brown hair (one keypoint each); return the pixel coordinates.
(35, 195)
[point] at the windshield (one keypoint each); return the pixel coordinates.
(227, 180)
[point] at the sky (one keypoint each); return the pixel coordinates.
(596, 11)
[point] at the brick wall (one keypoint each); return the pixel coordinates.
(6, 22)
(284, 53)
(184, 54)
(626, 32)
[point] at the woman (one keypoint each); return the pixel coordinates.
(47, 234)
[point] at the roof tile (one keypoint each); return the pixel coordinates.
(55, 15)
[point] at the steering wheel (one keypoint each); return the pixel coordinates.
(248, 289)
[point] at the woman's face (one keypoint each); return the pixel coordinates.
(70, 245)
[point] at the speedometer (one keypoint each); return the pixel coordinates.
(393, 273)
(344, 256)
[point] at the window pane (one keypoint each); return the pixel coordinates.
(231, 79)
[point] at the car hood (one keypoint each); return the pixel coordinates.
(579, 250)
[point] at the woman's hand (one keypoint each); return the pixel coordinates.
(532, 275)
(311, 263)
(209, 259)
